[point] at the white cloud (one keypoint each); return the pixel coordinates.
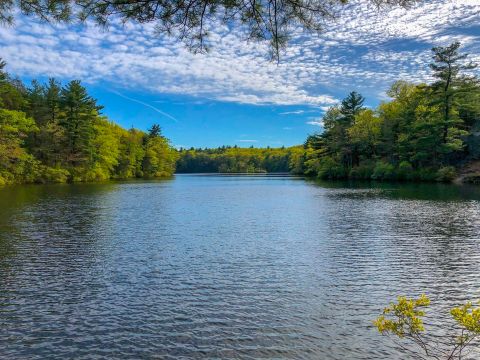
(296, 112)
(364, 50)
(247, 141)
(315, 122)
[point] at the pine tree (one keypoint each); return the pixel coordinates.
(78, 115)
(447, 65)
(52, 99)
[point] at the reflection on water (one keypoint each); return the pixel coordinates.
(226, 267)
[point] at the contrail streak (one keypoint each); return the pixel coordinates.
(145, 104)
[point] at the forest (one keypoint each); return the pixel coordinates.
(227, 159)
(55, 133)
(426, 132)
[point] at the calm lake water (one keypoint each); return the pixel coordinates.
(226, 266)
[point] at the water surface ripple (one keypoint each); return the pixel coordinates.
(226, 266)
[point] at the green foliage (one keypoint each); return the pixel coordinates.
(15, 161)
(384, 171)
(54, 134)
(53, 175)
(132, 152)
(403, 320)
(328, 168)
(365, 133)
(468, 317)
(241, 160)
(364, 171)
(446, 174)
(421, 134)
(405, 171)
(426, 174)
(159, 159)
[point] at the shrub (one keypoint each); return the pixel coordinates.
(383, 171)
(446, 174)
(330, 169)
(363, 171)
(96, 173)
(426, 174)
(54, 175)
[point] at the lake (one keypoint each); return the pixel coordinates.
(227, 266)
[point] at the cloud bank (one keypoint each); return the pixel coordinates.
(364, 49)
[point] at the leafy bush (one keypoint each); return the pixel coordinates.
(54, 175)
(446, 174)
(426, 174)
(384, 171)
(330, 169)
(362, 172)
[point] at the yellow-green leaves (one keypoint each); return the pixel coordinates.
(468, 317)
(404, 317)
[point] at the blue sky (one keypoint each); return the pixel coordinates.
(234, 94)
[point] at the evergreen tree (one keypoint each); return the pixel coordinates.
(78, 115)
(155, 131)
(52, 99)
(447, 66)
(351, 107)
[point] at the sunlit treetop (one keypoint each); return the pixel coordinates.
(189, 20)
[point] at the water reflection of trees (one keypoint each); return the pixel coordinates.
(50, 231)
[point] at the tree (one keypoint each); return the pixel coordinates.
(365, 133)
(336, 122)
(403, 321)
(397, 117)
(36, 107)
(47, 143)
(11, 91)
(446, 68)
(106, 150)
(159, 159)
(155, 131)
(16, 165)
(131, 155)
(351, 107)
(79, 112)
(191, 20)
(52, 99)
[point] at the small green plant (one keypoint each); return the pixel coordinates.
(403, 321)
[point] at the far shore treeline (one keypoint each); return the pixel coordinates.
(228, 159)
(426, 132)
